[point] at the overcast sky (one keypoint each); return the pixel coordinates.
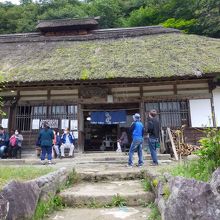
(13, 1)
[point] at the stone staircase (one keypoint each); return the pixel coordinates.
(99, 188)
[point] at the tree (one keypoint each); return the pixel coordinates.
(108, 10)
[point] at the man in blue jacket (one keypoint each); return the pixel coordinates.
(67, 140)
(4, 141)
(137, 130)
(45, 138)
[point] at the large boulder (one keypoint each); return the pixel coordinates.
(189, 199)
(51, 183)
(4, 207)
(215, 182)
(23, 198)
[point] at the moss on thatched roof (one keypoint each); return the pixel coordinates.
(152, 56)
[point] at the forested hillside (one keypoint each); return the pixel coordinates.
(192, 16)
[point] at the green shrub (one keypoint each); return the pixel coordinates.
(209, 158)
(45, 208)
(118, 201)
(146, 185)
(154, 214)
(210, 147)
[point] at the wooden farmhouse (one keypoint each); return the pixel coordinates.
(92, 80)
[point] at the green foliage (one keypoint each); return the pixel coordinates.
(209, 158)
(118, 201)
(181, 24)
(210, 147)
(44, 208)
(155, 214)
(166, 191)
(21, 173)
(200, 170)
(146, 185)
(72, 178)
(193, 16)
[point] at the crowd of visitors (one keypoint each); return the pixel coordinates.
(53, 145)
(11, 144)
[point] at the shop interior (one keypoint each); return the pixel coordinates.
(103, 137)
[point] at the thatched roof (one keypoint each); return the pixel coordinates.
(58, 24)
(150, 56)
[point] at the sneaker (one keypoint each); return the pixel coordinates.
(43, 162)
(129, 166)
(140, 165)
(154, 164)
(49, 162)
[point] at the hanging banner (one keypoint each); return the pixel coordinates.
(52, 123)
(108, 117)
(73, 124)
(5, 123)
(35, 124)
(64, 123)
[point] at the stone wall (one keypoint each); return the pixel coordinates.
(187, 199)
(18, 200)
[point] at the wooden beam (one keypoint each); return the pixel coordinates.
(172, 143)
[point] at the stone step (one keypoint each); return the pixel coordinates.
(117, 213)
(93, 175)
(103, 194)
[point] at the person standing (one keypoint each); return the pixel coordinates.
(4, 141)
(67, 140)
(153, 129)
(123, 141)
(45, 138)
(137, 130)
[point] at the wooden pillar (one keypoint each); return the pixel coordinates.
(141, 106)
(80, 128)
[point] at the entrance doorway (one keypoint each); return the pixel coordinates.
(103, 137)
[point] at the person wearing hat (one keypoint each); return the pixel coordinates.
(45, 138)
(137, 130)
(153, 129)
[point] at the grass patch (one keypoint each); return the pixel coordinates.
(194, 169)
(118, 201)
(146, 185)
(45, 208)
(8, 173)
(155, 214)
(72, 179)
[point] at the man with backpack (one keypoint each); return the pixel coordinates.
(137, 130)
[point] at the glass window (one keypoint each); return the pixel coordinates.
(171, 113)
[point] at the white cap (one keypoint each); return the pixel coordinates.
(136, 117)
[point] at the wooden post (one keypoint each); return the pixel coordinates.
(172, 143)
(80, 129)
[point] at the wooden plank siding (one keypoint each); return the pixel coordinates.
(127, 92)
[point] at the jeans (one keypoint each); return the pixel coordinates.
(136, 144)
(2, 151)
(46, 150)
(152, 143)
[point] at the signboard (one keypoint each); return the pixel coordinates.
(52, 123)
(64, 123)
(74, 125)
(75, 134)
(201, 113)
(35, 124)
(216, 100)
(5, 123)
